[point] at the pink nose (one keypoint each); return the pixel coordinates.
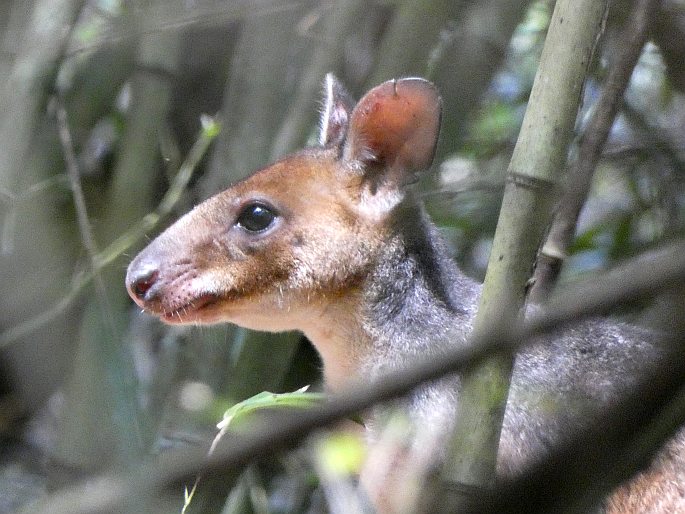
(140, 281)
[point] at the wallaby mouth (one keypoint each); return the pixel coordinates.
(190, 312)
(170, 296)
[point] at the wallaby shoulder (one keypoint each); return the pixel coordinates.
(415, 295)
(417, 303)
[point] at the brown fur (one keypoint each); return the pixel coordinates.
(659, 489)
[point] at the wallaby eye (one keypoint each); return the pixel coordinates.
(256, 217)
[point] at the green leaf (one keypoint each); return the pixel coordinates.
(265, 400)
(300, 399)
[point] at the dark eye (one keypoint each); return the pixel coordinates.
(256, 217)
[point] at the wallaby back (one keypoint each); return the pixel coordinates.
(331, 242)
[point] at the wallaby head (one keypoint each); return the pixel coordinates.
(294, 241)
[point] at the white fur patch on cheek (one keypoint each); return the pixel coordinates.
(376, 206)
(359, 155)
(207, 284)
(301, 276)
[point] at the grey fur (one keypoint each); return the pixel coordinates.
(418, 302)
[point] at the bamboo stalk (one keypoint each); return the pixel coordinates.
(533, 173)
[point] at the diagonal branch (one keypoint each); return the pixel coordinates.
(642, 277)
(563, 228)
(85, 228)
(74, 176)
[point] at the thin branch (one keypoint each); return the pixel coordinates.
(87, 236)
(74, 176)
(563, 228)
(123, 242)
(642, 277)
(12, 200)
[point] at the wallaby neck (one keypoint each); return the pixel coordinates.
(412, 295)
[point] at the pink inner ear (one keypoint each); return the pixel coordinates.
(336, 112)
(397, 124)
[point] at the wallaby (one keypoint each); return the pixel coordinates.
(331, 241)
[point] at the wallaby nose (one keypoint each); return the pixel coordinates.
(140, 279)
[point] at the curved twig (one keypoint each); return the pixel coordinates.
(106, 256)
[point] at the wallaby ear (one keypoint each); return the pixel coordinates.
(336, 113)
(394, 128)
